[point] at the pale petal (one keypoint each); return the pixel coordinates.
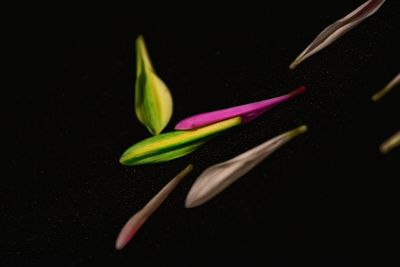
(218, 177)
(337, 29)
(139, 218)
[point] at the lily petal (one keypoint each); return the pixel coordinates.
(391, 143)
(168, 146)
(153, 100)
(247, 112)
(218, 177)
(393, 83)
(337, 29)
(139, 218)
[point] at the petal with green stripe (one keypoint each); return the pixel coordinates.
(171, 145)
(153, 100)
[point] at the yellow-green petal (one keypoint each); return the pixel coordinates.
(171, 145)
(393, 83)
(391, 143)
(153, 100)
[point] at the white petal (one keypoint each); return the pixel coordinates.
(337, 29)
(218, 177)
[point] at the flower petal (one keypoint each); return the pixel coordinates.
(153, 100)
(168, 146)
(337, 29)
(247, 112)
(393, 83)
(139, 218)
(391, 143)
(218, 177)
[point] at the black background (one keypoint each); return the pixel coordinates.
(319, 200)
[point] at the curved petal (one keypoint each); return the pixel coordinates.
(218, 177)
(153, 100)
(247, 112)
(138, 219)
(168, 146)
(337, 29)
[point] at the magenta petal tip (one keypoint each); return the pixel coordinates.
(128, 232)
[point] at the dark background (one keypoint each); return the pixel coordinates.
(328, 198)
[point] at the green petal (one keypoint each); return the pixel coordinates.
(153, 100)
(168, 146)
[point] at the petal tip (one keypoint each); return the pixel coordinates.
(127, 160)
(195, 197)
(188, 204)
(139, 38)
(129, 230)
(182, 125)
(383, 150)
(191, 200)
(156, 132)
(299, 130)
(189, 168)
(119, 245)
(191, 203)
(303, 128)
(298, 91)
(123, 159)
(294, 64)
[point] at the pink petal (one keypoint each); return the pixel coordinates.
(247, 112)
(138, 219)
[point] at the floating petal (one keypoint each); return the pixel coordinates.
(391, 143)
(247, 112)
(139, 218)
(168, 146)
(393, 83)
(153, 100)
(218, 177)
(337, 29)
